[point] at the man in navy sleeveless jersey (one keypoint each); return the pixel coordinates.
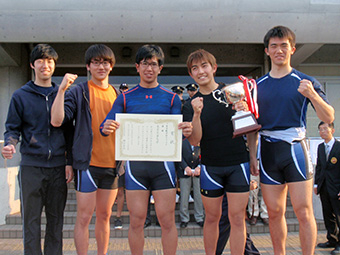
(285, 164)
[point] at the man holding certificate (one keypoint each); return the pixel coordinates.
(141, 177)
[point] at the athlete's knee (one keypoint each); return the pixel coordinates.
(276, 213)
(167, 225)
(212, 218)
(84, 218)
(103, 215)
(167, 221)
(237, 220)
(212, 214)
(304, 214)
(136, 225)
(137, 220)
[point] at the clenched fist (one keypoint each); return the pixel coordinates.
(67, 81)
(197, 104)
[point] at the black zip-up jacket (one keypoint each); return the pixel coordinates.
(42, 145)
(77, 109)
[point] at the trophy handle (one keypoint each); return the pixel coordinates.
(250, 85)
(220, 95)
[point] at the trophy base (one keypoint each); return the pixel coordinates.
(244, 123)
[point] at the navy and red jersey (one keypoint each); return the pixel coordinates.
(158, 100)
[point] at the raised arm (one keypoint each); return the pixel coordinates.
(196, 136)
(324, 111)
(57, 111)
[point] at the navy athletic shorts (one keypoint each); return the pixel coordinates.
(217, 180)
(95, 178)
(147, 175)
(282, 162)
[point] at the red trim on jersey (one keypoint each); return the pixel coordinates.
(174, 94)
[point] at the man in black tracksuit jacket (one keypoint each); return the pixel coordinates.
(42, 171)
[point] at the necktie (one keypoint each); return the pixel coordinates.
(327, 151)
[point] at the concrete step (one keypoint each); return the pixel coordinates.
(13, 227)
(71, 196)
(15, 231)
(71, 206)
(70, 216)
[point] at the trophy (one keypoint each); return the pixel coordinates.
(243, 122)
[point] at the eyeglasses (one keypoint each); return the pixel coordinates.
(98, 63)
(145, 64)
(323, 129)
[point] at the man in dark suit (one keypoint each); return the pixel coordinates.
(327, 184)
(188, 172)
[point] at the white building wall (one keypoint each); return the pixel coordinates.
(242, 21)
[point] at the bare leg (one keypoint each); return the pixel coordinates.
(86, 203)
(213, 210)
(275, 197)
(105, 200)
(301, 197)
(137, 202)
(236, 212)
(165, 203)
(120, 201)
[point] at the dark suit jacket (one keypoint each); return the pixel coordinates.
(190, 158)
(328, 172)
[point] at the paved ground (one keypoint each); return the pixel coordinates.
(186, 245)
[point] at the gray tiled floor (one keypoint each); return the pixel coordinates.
(186, 245)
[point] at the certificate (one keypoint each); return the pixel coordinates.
(149, 137)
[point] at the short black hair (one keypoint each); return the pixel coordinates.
(280, 32)
(99, 51)
(331, 125)
(42, 51)
(149, 51)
